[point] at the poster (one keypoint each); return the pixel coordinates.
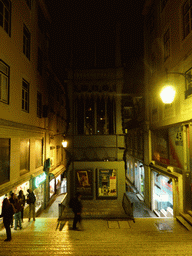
(84, 183)
(107, 183)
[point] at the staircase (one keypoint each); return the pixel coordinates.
(186, 220)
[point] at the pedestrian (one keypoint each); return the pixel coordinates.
(76, 206)
(7, 214)
(17, 215)
(12, 201)
(22, 198)
(31, 201)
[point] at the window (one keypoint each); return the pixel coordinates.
(39, 104)
(24, 155)
(25, 96)
(166, 41)
(5, 15)
(28, 3)
(26, 41)
(95, 116)
(38, 153)
(4, 82)
(187, 17)
(188, 83)
(4, 160)
(40, 61)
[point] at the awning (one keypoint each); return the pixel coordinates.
(57, 171)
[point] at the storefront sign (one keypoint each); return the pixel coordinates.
(41, 178)
(107, 183)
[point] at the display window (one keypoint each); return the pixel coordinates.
(23, 187)
(107, 183)
(64, 186)
(58, 184)
(39, 194)
(162, 195)
(84, 182)
(52, 188)
(139, 177)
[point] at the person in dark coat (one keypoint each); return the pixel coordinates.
(7, 214)
(22, 198)
(31, 201)
(12, 201)
(77, 209)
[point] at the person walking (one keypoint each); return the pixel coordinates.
(17, 215)
(7, 214)
(22, 198)
(31, 201)
(76, 206)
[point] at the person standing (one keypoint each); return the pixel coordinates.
(17, 215)
(31, 201)
(77, 209)
(7, 214)
(12, 201)
(22, 198)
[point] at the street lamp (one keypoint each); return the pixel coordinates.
(168, 92)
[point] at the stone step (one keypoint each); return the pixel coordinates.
(190, 213)
(184, 223)
(187, 217)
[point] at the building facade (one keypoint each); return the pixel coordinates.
(167, 36)
(95, 136)
(32, 104)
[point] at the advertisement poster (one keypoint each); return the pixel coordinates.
(107, 183)
(84, 183)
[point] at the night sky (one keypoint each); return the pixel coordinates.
(88, 27)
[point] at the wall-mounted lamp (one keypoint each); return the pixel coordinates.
(64, 143)
(168, 92)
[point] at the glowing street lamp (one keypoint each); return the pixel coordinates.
(168, 94)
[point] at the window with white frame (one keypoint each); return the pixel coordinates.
(26, 41)
(4, 82)
(5, 15)
(38, 153)
(25, 96)
(24, 156)
(187, 17)
(166, 42)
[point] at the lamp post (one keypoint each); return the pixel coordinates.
(168, 92)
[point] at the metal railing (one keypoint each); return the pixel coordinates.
(62, 206)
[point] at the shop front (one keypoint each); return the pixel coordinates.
(162, 195)
(23, 186)
(38, 187)
(57, 182)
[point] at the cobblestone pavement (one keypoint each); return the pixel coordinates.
(147, 236)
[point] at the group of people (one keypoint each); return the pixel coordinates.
(14, 206)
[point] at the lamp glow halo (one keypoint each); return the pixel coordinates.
(168, 94)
